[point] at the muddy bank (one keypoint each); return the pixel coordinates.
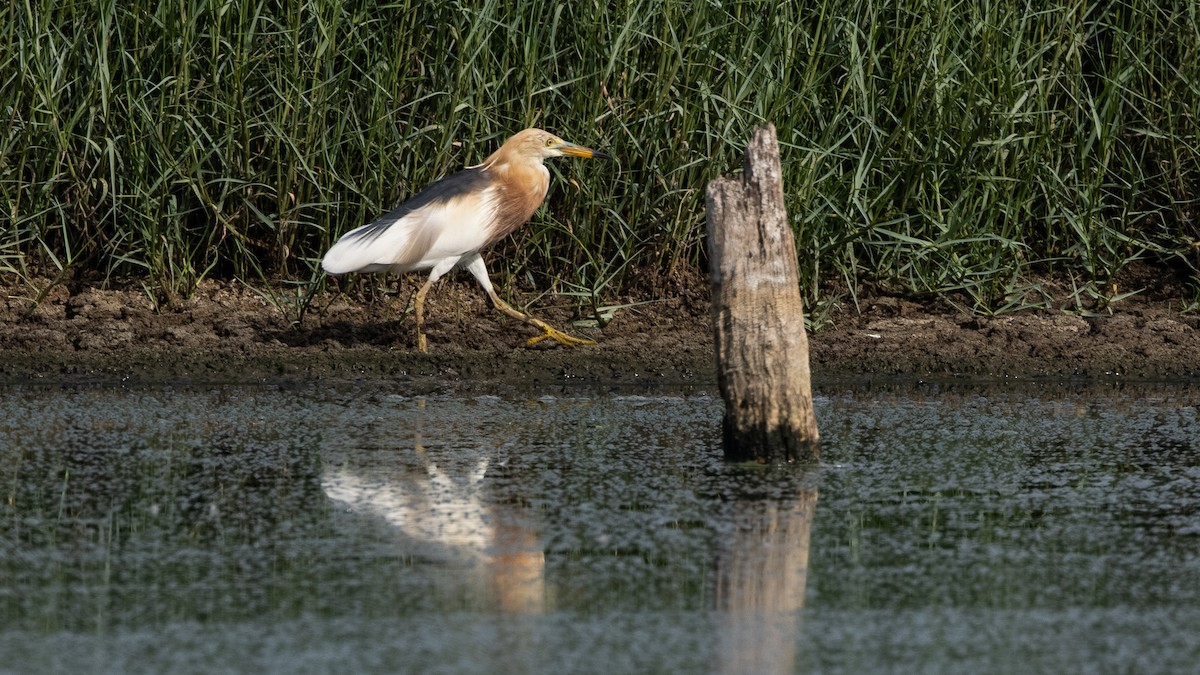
(231, 333)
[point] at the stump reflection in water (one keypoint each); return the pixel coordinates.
(762, 571)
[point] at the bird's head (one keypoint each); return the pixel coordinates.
(539, 145)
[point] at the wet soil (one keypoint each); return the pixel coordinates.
(229, 332)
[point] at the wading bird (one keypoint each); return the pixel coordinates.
(447, 224)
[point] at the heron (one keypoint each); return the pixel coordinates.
(447, 225)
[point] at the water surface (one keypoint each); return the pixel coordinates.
(348, 528)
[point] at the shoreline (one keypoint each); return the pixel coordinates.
(229, 333)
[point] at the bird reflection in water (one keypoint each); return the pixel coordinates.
(447, 517)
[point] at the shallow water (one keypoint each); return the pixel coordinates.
(318, 528)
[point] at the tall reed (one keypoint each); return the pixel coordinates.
(929, 146)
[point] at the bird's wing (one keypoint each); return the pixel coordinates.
(446, 219)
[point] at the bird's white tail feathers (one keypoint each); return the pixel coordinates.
(371, 248)
(409, 240)
(347, 255)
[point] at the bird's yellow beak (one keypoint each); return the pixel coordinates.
(580, 151)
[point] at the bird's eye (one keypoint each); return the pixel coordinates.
(549, 142)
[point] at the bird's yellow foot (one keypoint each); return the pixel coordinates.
(551, 333)
(422, 344)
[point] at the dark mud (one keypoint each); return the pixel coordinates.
(229, 332)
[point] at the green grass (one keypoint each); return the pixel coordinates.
(933, 148)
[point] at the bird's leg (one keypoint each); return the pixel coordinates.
(477, 269)
(548, 332)
(419, 311)
(438, 271)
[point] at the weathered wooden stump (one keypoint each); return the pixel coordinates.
(758, 317)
